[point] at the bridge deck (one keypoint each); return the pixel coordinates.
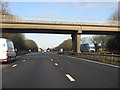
(60, 27)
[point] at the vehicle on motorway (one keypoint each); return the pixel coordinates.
(88, 47)
(45, 51)
(39, 49)
(7, 50)
(61, 51)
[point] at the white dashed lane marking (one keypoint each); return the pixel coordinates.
(70, 77)
(14, 65)
(56, 64)
(24, 60)
(51, 59)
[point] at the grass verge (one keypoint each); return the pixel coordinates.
(104, 59)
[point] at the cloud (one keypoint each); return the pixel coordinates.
(86, 5)
(91, 6)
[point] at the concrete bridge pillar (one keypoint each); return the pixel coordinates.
(76, 42)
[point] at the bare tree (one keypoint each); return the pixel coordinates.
(116, 14)
(4, 7)
(4, 12)
(113, 43)
(99, 41)
(85, 40)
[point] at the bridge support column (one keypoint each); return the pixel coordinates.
(76, 42)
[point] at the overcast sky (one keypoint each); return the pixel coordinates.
(80, 10)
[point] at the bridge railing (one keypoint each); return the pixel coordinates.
(32, 19)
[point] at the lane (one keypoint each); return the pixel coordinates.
(47, 70)
(87, 74)
(37, 72)
(18, 60)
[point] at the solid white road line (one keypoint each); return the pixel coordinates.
(70, 77)
(14, 65)
(56, 64)
(94, 62)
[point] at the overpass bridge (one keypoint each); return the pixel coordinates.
(75, 27)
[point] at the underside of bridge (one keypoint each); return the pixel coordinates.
(75, 34)
(54, 31)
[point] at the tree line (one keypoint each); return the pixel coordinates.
(103, 43)
(66, 45)
(20, 42)
(113, 43)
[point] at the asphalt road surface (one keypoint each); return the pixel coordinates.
(47, 70)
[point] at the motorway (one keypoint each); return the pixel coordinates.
(48, 70)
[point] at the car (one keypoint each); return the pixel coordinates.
(7, 52)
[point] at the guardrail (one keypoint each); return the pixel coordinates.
(110, 59)
(94, 54)
(32, 19)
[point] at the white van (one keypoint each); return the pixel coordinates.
(7, 51)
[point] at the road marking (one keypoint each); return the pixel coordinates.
(70, 77)
(56, 64)
(51, 59)
(94, 61)
(14, 65)
(24, 60)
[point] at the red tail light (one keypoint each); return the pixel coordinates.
(6, 54)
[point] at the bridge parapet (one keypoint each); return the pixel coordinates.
(75, 21)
